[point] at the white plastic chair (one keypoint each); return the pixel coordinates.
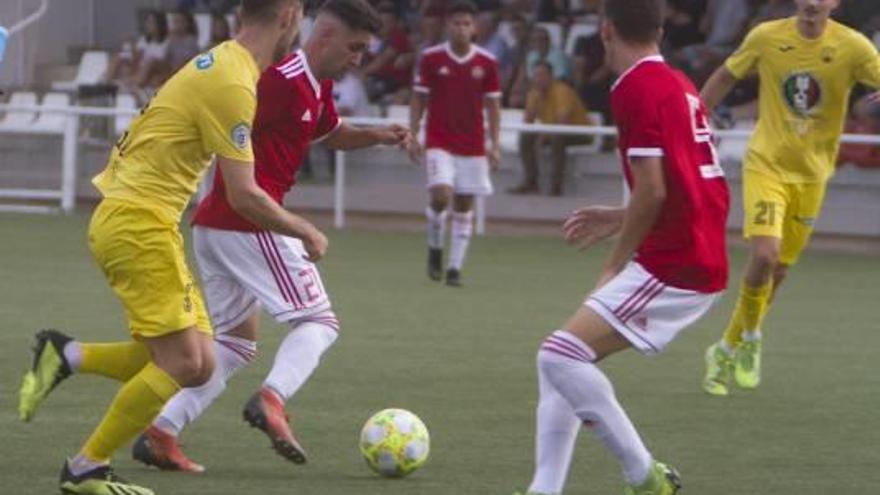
(555, 31)
(121, 122)
(595, 146)
(578, 31)
(17, 120)
(510, 139)
(52, 122)
(92, 67)
(203, 26)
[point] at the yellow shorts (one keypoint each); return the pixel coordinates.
(782, 210)
(142, 256)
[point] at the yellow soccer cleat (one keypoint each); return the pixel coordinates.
(747, 368)
(719, 368)
(662, 480)
(99, 481)
(48, 370)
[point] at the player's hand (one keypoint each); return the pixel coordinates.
(415, 151)
(587, 226)
(494, 157)
(315, 243)
(395, 135)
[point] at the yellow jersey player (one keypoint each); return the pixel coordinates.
(807, 66)
(204, 110)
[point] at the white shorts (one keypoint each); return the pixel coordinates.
(242, 271)
(464, 174)
(647, 312)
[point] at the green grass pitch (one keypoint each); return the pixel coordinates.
(463, 359)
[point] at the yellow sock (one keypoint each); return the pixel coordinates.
(749, 312)
(136, 405)
(118, 360)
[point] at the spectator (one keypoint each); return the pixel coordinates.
(772, 10)
(592, 76)
(151, 46)
(489, 37)
(182, 45)
(723, 24)
(550, 101)
(220, 30)
(682, 26)
(551, 10)
(542, 50)
(514, 85)
(430, 32)
(389, 73)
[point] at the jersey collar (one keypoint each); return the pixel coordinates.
(308, 70)
(461, 60)
(650, 58)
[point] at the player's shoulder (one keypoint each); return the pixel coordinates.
(228, 62)
(848, 38)
(289, 67)
(484, 55)
(434, 51)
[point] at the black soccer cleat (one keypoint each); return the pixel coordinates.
(453, 278)
(435, 264)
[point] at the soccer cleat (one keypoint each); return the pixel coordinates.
(453, 278)
(662, 480)
(99, 481)
(747, 368)
(265, 411)
(435, 264)
(48, 370)
(156, 448)
(719, 367)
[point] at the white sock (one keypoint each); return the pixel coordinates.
(233, 354)
(300, 352)
(462, 228)
(725, 347)
(436, 228)
(752, 336)
(81, 464)
(555, 436)
(567, 364)
(73, 355)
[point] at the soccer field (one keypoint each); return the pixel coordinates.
(463, 359)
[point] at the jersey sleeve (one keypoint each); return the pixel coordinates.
(643, 124)
(422, 83)
(744, 59)
(226, 120)
(867, 60)
(329, 119)
(492, 83)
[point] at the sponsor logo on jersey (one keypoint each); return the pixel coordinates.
(478, 72)
(802, 93)
(241, 135)
(641, 322)
(205, 61)
(444, 71)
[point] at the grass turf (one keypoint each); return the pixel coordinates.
(463, 359)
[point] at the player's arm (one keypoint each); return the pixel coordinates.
(348, 137)
(416, 110)
(493, 109)
(646, 203)
(719, 85)
(250, 201)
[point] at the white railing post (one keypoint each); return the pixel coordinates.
(68, 162)
(339, 190)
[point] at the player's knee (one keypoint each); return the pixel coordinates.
(194, 369)
(779, 273)
(561, 347)
(765, 258)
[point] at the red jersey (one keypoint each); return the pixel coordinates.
(659, 114)
(456, 88)
(293, 110)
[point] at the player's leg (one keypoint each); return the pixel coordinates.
(766, 203)
(462, 231)
(441, 176)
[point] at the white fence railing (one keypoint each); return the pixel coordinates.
(70, 132)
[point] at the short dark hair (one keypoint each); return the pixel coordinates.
(358, 15)
(264, 11)
(463, 7)
(637, 21)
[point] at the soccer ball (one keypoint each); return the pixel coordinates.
(395, 442)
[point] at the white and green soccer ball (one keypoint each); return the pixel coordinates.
(395, 442)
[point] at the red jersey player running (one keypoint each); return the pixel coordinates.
(455, 80)
(244, 267)
(666, 268)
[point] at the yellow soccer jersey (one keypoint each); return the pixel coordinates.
(206, 108)
(804, 92)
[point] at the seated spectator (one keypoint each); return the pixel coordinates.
(490, 38)
(220, 30)
(389, 73)
(430, 32)
(542, 50)
(591, 75)
(150, 47)
(514, 85)
(182, 45)
(682, 27)
(724, 25)
(550, 101)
